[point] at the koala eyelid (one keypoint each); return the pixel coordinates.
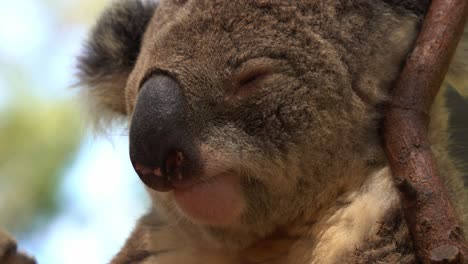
(253, 75)
(247, 80)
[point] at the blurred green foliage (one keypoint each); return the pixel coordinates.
(39, 137)
(38, 140)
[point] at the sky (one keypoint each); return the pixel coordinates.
(100, 192)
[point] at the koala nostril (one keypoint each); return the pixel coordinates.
(162, 179)
(153, 177)
(174, 162)
(143, 169)
(157, 172)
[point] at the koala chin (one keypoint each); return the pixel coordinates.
(255, 126)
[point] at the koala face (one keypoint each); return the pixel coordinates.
(247, 115)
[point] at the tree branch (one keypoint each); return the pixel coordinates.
(433, 224)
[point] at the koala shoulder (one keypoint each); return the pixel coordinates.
(171, 246)
(9, 253)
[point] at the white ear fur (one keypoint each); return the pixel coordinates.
(108, 58)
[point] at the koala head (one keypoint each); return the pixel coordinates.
(247, 116)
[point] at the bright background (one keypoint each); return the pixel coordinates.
(68, 196)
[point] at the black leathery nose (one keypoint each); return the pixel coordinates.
(162, 149)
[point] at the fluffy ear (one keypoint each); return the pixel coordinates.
(457, 75)
(110, 54)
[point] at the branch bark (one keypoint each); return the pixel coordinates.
(433, 224)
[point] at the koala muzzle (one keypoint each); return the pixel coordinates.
(162, 148)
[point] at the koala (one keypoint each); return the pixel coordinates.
(255, 126)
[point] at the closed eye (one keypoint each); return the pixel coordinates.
(248, 81)
(252, 76)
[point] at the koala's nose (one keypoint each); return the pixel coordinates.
(162, 149)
